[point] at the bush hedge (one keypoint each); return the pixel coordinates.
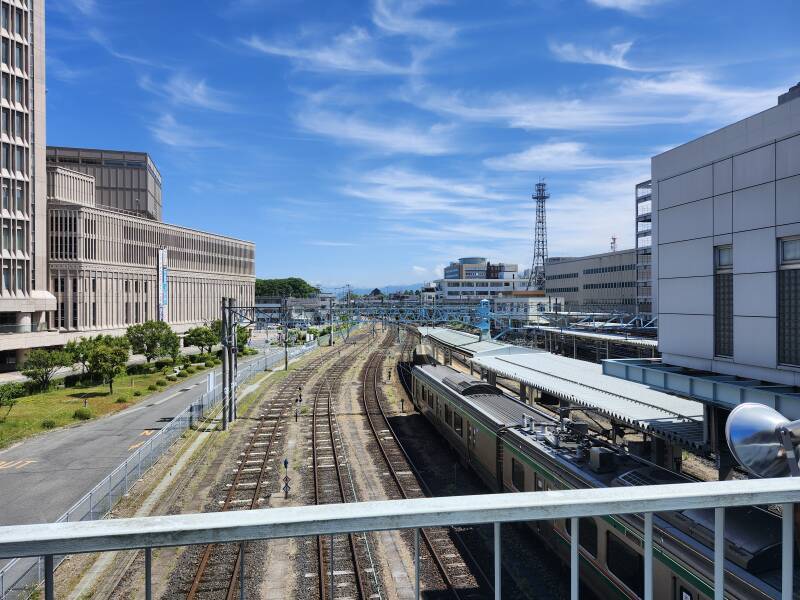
(183, 374)
(48, 424)
(152, 387)
(161, 382)
(82, 414)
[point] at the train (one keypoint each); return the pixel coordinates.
(516, 447)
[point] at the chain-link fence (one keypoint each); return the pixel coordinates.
(21, 576)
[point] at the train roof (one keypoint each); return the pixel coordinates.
(483, 398)
(752, 535)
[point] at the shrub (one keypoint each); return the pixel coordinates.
(217, 361)
(183, 374)
(72, 380)
(210, 363)
(137, 393)
(172, 378)
(161, 382)
(189, 370)
(121, 400)
(82, 414)
(152, 387)
(48, 424)
(161, 363)
(137, 369)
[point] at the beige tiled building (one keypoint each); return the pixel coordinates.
(24, 299)
(105, 266)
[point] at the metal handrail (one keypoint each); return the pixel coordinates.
(17, 576)
(238, 526)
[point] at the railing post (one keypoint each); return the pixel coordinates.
(648, 556)
(49, 589)
(148, 574)
(416, 563)
(91, 505)
(497, 568)
(241, 571)
(719, 553)
(574, 564)
(330, 593)
(787, 552)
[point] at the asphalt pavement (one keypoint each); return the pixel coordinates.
(41, 478)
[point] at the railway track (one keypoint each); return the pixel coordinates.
(219, 571)
(344, 563)
(463, 581)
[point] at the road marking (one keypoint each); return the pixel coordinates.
(135, 446)
(148, 432)
(15, 464)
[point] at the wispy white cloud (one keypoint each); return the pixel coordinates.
(62, 71)
(331, 244)
(670, 98)
(558, 156)
(631, 6)
(85, 7)
(103, 41)
(401, 17)
(611, 57)
(384, 137)
(167, 130)
(353, 51)
(181, 89)
(420, 270)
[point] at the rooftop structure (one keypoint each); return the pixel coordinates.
(126, 181)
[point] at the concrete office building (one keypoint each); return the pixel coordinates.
(106, 266)
(24, 299)
(477, 267)
(524, 307)
(126, 181)
(472, 290)
(597, 283)
(726, 248)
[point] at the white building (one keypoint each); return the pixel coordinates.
(726, 248)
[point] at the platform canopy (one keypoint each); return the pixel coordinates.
(583, 384)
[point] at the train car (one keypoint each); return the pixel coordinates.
(516, 447)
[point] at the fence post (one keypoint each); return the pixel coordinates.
(497, 564)
(574, 557)
(148, 573)
(787, 551)
(49, 593)
(648, 556)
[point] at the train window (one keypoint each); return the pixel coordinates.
(685, 594)
(448, 415)
(517, 475)
(625, 563)
(587, 534)
(458, 424)
(539, 484)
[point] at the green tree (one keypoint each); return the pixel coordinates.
(202, 337)
(242, 337)
(10, 393)
(289, 286)
(171, 346)
(108, 358)
(79, 351)
(151, 338)
(41, 365)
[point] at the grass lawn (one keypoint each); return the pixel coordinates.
(59, 405)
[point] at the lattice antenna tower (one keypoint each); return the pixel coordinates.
(536, 278)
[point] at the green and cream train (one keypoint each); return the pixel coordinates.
(515, 447)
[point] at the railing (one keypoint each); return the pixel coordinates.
(20, 577)
(52, 540)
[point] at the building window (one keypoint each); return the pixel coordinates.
(626, 564)
(587, 534)
(517, 475)
(94, 314)
(789, 302)
(723, 301)
(74, 315)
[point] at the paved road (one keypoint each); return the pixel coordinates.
(44, 476)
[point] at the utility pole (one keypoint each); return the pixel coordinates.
(286, 333)
(330, 320)
(225, 366)
(234, 359)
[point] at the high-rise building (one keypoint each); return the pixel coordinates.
(644, 235)
(24, 299)
(125, 181)
(597, 283)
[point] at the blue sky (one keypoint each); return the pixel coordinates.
(371, 142)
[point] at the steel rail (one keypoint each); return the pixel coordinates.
(358, 570)
(281, 398)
